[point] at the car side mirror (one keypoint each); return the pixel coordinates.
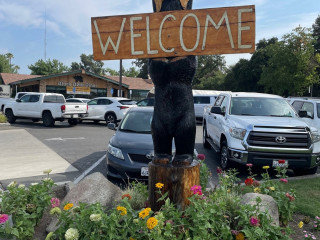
(217, 110)
(302, 113)
(18, 100)
(112, 126)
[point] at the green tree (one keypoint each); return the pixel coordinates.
(131, 72)
(210, 72)
(291, 68)
(48, 67)
(5, 64)
(142, 65)
(245, 75)
(89, 64)
(316, 34)
(111, 72)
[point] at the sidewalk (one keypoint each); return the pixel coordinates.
(24, 156)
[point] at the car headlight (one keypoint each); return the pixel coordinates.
(115, 152)
(315, 137)
(238, 133)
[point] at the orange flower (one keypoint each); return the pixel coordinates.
(159, 185)
(68, 206)
(126, 196)
(152, 222)
(240, 236)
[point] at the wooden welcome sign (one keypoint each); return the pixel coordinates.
(174, 33)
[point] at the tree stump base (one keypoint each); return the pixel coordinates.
(177, 182)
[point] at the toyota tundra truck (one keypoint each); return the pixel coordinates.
(48, 107)
(260, 129)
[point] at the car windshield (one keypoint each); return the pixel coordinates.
(255, 106)
(137, 122)
(127, 102)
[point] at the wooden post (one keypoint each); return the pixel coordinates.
(177, 182)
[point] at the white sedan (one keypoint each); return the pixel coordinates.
(109, 109)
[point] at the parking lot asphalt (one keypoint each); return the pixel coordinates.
(24, 156)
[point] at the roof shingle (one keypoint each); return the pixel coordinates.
(13, 77)
(134, 83)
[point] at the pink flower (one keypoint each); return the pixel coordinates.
(55, 202)
(201, 156)
(283, 180)
(249, 164)
(196, 190)
(254, 221)
(219, 170)
(3, 218)
(291, 198)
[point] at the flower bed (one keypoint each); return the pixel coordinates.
(217, 214)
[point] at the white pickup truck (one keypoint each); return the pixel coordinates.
(4, 101)
(260, 129)
(49, 107)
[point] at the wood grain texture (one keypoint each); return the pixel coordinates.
(177, 182)
(187, 32)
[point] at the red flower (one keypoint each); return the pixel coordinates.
(201, 157)
(281, 161)
(291, 198)
(219, 170)
(249, 164)
(283, 180)
(254, 221)
(248, 181)
(126, 196)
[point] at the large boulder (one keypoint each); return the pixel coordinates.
(268, 204)
(92, 189)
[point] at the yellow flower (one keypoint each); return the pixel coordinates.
(272, 188)
(300, 224)
(159, 185)
(123, 210)
(240, 236)
(266, 167)
(144, 213)
(257, 190)
(68, 206)
(152, 222)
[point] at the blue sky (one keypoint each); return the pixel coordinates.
(68, 23)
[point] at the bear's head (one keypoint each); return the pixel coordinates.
(171, 5)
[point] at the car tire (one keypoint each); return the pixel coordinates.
(73, 122)
(96, 121)
(306, 171)
(204, 138)
(10, 116)
(35, 120)
(224, 156)
(110, 118)
(47, 119)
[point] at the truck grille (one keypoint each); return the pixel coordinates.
(139, 158)
(279, 140)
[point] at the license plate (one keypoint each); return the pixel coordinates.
(75, 115)
(277, 164)
(145, 171)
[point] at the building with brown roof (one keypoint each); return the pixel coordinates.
(138, 87)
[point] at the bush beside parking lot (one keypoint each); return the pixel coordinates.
(3, 118)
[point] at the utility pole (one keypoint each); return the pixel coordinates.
(120, 79)
(45, 34)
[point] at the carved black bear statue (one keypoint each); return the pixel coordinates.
(173, 116)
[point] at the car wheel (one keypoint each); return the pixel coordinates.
(47, 119)
(10, 116)
(96, 121)
(73, 121)
(306, 171)
(110, 118)
(204, 138)
(35, 120)
(224, 156)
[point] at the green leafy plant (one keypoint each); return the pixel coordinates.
(3, 118)
(26, 206)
